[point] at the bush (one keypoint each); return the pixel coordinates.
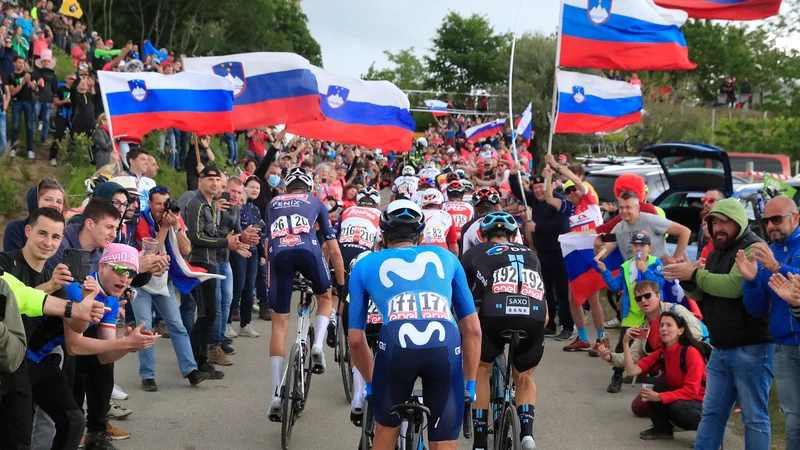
(8, 195)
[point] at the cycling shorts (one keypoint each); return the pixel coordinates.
(350, 252)
(281, 272)
(530, 350)
(428, 349)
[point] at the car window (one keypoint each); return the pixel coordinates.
(603, 185)
(739, 164)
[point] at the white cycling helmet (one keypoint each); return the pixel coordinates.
(422, 142)
(430, 165)
(409, 170)
(369, 193)
(431, 197)
(299, 174)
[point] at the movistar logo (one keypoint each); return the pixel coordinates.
(405, 213)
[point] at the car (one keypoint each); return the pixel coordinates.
(762, 162)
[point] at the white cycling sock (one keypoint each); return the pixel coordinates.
(358, 391)
(276, 369)
(333, 316)
(321, 327)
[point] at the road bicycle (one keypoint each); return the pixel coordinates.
(506, 426)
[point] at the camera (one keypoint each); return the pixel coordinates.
(172, 205)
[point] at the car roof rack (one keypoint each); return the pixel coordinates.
(612, 160)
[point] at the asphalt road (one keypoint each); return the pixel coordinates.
(573, 409)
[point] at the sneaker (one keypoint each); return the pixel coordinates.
(228, 341)
(98, 440)
(161, 329)
(227, 349)
(330, 339)
(248, 331)
(229, 332)
(565, 334)
(117, 412)
(31, 155)
(217, 356)
(594, 352)
(235, 317)
(39, 127)
(118, 393)
(613, 323)
(576, 345)
(274, 414)
(550, 332)
(655, 434)
(149, 385)
(264, 314)
(53, 162)
(317, 360)
(211, 372)
(255, 309)
(615, 386)
(196, 377)
(115, 434)
(528, 443)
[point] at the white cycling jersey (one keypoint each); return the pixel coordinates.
(406, 185)
(439, 228)
(429, 172)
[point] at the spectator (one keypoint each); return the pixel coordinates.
(41, 42)
(104, 148)
(230, 138)
(245, 270)
(256, 142)
(79, 53)
(194, 167)
(7, 57)
(47, 81)
(747, 92)
(83, 117)
(5, 99)
(635, 80)
(22, 91)
(249, 169)
(47, 193)
(61, 31)
(741, 364)
(19, 43)
(12, 335)
(63, 116)
(711, 197)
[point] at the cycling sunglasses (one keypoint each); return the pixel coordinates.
(708, 200)
(123, 270)
(775, 220)
(645, 296)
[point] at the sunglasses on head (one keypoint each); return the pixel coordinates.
(159, 190)
(708, 200)
(123, 270)
(775, 220)
(645, 296)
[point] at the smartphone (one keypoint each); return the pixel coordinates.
(260, 225)
(642, 334)
(227, 196)
(605, 340)
(608, 237)
(79, 263)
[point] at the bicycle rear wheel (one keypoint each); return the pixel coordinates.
(289, 395)
(307, 363)
(343, 356)
(510, 427)
(367, 427)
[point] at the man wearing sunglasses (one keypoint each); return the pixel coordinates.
(711, 197)
(781, 222)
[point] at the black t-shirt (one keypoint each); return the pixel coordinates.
(25, 94)
(82, 110)
(63, 93)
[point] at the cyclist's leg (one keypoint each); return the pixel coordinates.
(526, 357)
(312, 266)
(280, 274)
(393, 379)
(443, 388)
(492, 345)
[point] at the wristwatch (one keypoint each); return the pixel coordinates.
(68, 310)
(559, 166)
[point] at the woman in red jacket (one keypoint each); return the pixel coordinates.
(680, 401)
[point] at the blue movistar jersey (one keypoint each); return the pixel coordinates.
(291, 219)
(409, 283)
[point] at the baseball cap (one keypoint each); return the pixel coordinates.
(210, 171)
(109, 42)
(641, 237)
(562, 158)
(568, 184)
(121, 254)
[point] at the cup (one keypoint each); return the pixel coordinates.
(150, 246)
(647, 386)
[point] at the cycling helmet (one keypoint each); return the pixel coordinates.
(431, 197)
(298, 174)
(369, 193)
(409, 170)
(461, 174)
(422, 142)
(451, 177)
(498, 221)
(485, 194)
(430, 165)
(426, 181)
(447, 169)
(402, 216)
(455, 187)
(468, 186)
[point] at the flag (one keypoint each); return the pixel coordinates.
(184, 276)
(622, 34)
(149, 49)
(525, 123)
(485, 130)
(269, 88)
(139, 102)
(369, 113)
(71, 8)
(438, 108)
(725, 9)
(584, 279)
(591, 104)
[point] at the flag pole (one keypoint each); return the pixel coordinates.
(555, 75)
(511, 111)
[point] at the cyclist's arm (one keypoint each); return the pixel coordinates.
(334, 253)
(468, 323)
(357, 313)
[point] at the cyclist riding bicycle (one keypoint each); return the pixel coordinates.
(293, 247)
(469, 189)
(440, 230)
(507, 286)
(406, 184)
(461, 211)
(425, 183)
(485, 200)
(430, 170)
(414, 290)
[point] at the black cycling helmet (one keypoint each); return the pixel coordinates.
(298, 176)
(498, 222)
(402, 217)
(368, 194)
(455, 188)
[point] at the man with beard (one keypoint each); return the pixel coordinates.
(781, 222)
(740, 367)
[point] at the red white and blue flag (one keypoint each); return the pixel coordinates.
(137, 103)
(584, 278)
(725, 9)
(270, 88)
(622, 34)
(361, 112)
(438, 108)
(525, 123)
(592, 104)
(485, 130)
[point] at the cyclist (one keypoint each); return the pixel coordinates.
(485, 200)
(509, 293)
(293, 247)
(439, 227)
(461, 211)
(424, 184)
(406, 184)
(469, 189)
(430, 170)
(414, 289)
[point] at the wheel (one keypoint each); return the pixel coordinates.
(508, 438)
(289, 394)
(632, 144)
(307, 363)
(343, 356)
(367, 427)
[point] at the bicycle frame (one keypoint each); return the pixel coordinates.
(304, 308)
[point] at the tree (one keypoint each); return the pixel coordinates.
(407, 72)
(466, 53)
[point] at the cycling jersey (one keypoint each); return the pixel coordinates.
(506, 282)
(439, 229)
(586, 215)
(359, 230)
(293, 246)
(429, 172)
(414, 289)
(417, 196)
(405, 185)
(469, 235)
(461, 212)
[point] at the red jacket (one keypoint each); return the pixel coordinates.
(680, 385)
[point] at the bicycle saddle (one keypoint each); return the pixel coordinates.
(407, 411)
(508, 334)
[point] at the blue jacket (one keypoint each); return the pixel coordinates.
(760, 300)
(14, 238)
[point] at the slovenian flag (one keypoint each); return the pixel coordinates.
(623, 34)
(584, 278)
(525, 123)
(270, 88)
(360, 112)
(485, 130)
(438, 108)
(139, 102)
(591, 104)
(725, 9)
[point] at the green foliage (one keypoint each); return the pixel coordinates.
(776, 136)
(408, 72)
(8, 195)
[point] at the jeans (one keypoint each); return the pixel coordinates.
(188, 310)
(168, 307)
(787, 377)
(3, 135)
(233, 146)
(245, 271)
(43, 114)
(743, 373)
(167, 137)
(224, 297)
(17, 110)
(205, 297)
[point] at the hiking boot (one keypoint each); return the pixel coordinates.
(161, 329)
(263, 314)
(577, 345)
(653, 434)
(196, 377)
(117, 412)
(565, 334)
(248, 331)
(616, 385)
(234, 315)
(217, 356)
(330, 339)
(115, 434)
(149, 385)
(98, 440)
(210, 371)
(594, 352)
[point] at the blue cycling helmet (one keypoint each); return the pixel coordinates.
(498, 221)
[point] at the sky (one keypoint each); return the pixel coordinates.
(354, 33)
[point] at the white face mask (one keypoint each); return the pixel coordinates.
(329, 207)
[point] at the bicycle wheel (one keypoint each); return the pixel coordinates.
(632, 144)
(343, 356)
(307, 363)
(367, 427)
(289, 394)
(510, 427)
